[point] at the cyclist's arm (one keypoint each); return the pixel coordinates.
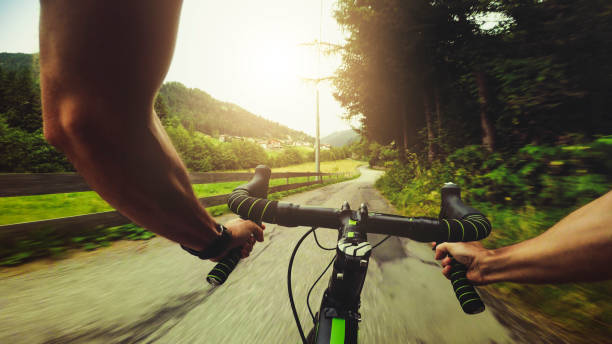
(576, 249)
(102, 63)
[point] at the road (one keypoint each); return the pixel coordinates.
(152, 292)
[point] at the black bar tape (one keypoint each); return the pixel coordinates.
(249, 208)
(255, 209)
(219, 274)
(464, 290)
(471, 227)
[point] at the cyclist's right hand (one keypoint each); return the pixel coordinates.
(469, 254)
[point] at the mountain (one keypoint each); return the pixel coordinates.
(340, 138)
(198, 110)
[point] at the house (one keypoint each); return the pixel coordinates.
(274, 144)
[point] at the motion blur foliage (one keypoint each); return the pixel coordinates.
(21, 151)
(22, 145)
(544, 176)
(374, 153)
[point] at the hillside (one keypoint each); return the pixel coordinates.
(198, 110)
(340, 138)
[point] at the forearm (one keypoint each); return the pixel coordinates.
(137, 171)
(101, 65)
(578, 248)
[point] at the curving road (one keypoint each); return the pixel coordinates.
(152, 292)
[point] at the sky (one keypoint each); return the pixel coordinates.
(244, 52)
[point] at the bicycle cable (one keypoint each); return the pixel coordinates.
(380, 242)
(295, 315)
(319, 244)
(314, 321)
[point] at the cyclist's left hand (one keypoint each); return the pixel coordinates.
(244, 234)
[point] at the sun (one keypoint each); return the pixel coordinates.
(275, 64)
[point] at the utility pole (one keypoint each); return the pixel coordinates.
(317, 80)
(318, 139)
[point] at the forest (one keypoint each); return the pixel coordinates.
(511, 100)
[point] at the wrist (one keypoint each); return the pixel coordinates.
(491, 265)
(216, 246)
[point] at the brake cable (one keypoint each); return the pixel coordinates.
(321, 246)
(314, 321)
(295, 315)
(380, 242)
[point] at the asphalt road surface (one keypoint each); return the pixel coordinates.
(152, 292)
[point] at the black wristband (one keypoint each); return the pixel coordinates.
(216, 247)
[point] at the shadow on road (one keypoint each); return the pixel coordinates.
(158, 323)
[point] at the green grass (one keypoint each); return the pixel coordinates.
(345, 165)
(40, 207)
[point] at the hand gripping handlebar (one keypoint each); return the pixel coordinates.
(258, 187)
(473, 226)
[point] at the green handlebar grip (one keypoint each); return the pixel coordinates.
(219, 274)
(464, 290)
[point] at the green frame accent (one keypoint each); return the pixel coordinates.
(337, 331)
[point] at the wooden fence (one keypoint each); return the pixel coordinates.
(25, 184)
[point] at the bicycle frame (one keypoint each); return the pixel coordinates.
(338, 318)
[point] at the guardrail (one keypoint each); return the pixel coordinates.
(25, 184)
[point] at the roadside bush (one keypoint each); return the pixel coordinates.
(21, 151)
